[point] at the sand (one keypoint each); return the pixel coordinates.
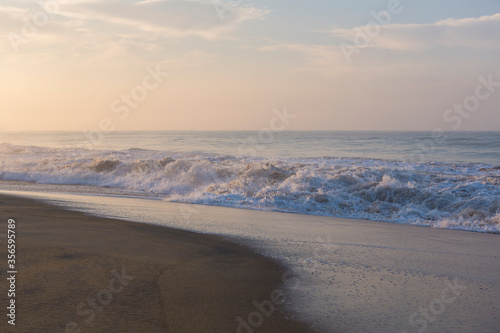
(355, 276)
(78, 273)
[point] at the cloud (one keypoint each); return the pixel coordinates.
(91, 31)
(477, 34)
(481, 32)
(169, 19)
(13, 10)
(147, 19)
(315, 56)
(147, 2)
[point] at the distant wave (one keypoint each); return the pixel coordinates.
(444, 195)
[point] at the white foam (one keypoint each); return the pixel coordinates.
(442, 195)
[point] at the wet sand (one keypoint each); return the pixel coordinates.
(353, 275)
(79, 273)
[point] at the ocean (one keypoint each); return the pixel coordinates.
(444, 180)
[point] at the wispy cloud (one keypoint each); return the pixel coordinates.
(314, 57)
(169, 19)
(147, 2)
(95, 30)
(480, 32)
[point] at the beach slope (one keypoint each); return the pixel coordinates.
(79, 273)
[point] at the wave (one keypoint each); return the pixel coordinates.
(443, 195)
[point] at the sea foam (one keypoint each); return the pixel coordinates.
(443, 195)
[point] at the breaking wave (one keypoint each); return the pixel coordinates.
(444, 195)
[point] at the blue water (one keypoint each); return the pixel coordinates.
(453, 147)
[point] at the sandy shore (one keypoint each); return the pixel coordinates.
(78, 273)
(350, 275)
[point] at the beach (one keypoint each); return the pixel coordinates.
(224, 166)
(343, 275)
(250, 166)
(78, 273)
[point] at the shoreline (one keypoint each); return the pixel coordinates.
(352, 275)
(93, 190)
(76, 271)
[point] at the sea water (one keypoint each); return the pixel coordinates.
(448, 180)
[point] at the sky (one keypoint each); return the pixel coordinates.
(231, 64)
